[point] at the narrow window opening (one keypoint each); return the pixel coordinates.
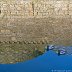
(0, 11)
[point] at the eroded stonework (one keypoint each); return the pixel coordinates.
(28, 26)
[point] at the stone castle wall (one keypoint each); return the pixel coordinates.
(27, 26)
(36, 20)
(40, 8)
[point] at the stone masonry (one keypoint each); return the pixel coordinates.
(36, 8)
(29, 25)
(34, 20)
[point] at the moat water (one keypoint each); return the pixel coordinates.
(48, 62)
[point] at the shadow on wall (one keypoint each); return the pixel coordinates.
(0, 11)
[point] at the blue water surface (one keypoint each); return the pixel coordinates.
(48, 62)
